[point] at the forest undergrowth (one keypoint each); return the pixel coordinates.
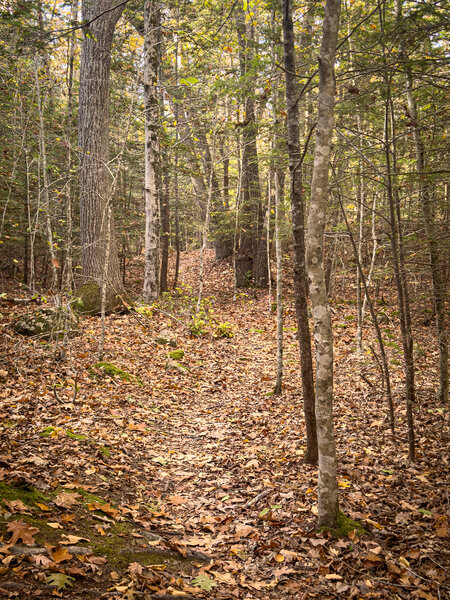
(186, 478)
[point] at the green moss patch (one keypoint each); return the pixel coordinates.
(113, 371)
(176, 354)
(28, 496)
(345, 525)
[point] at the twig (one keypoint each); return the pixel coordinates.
(256, 499)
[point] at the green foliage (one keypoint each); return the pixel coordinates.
(345, 525)
(197, 327)
(224, 330)
(113, 371)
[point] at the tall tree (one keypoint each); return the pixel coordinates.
(251, 256)
(323, 334)
(96, 228)
(298, 233)
(152, 178)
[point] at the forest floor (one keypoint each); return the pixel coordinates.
(191, 483)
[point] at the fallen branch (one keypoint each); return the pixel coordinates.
(256, 499)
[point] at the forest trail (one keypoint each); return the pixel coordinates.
(211, 463)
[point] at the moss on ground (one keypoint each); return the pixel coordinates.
(345, 525)
(116, 540)
(28, 496)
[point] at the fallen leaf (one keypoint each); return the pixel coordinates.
(66, 500)
(73, 539)
(22, 531)
(17, 506)
(60, 555)
(59, 580)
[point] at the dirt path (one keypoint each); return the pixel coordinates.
(212, 460)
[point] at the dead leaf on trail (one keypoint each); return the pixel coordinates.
(136, 568)
(55, 525)
(175, 500)
(17, 506)
(60, 555)
(333, 576)
(244, 530)
(43, 507)
(252, 464)
(41, 559)
(22, 531)
(105, 508)
(342, 587)
(73, 539)
(66, 500)
(284, 571)
(225, 578)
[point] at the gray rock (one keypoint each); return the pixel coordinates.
(172, 365)
(48, 323)
(166, 338)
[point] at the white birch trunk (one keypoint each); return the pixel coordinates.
(323, 335)
(151, 269)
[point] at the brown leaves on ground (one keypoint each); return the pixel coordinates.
(210, 462)
(21, 531)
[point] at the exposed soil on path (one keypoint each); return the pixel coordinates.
(190, 480)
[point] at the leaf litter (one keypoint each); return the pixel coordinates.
(193, 482)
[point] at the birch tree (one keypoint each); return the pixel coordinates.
(151, 35)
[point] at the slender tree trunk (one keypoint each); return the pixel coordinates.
(93, 141)
(400, 278)
(323, 334)
(45, 181)
(279, 255)
(298, 231)
(151, 191)
(437, 272)
(68, 275)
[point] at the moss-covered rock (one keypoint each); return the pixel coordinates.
(176, 354)
(52, 322)
(166, 338)
(172, 365)
(88, 299)
(113, 371)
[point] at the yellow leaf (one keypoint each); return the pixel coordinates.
(402, 560)
(279, 558)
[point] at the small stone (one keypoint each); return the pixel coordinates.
(166, 338)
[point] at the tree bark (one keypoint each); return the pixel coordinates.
(437, 272)
(93, 140)
(298, 232)
(251, 255)
(323, 334)
(151, 192)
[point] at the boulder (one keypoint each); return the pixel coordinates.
(166, 338)
(49, 323)
(88, 299)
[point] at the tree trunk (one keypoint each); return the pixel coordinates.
(437, 272)
(252, 242)
(323, 334)
(298, 231)
(93, 141)
(151, 192)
